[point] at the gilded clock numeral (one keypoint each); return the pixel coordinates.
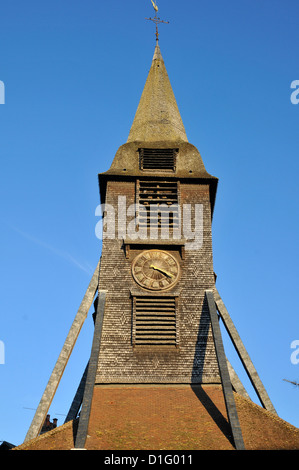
(146, 282)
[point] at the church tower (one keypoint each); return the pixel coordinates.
(157, 258)
(158, 376)
(157, 323)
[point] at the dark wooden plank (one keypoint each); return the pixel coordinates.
(224, 374)
(91, 373)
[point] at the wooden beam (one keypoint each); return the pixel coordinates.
(224, 375)
(236, 382)
(91, 373)
(243, 355)
(77, 401)
(50, 390)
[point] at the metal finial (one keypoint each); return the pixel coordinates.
(156, 20)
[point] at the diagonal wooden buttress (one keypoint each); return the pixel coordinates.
(236, 382)
(224, 375)
(81, 434)
(243, 355)
(84, 393)
(50, 390)
(77, 401)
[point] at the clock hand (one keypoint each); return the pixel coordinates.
(161, 270)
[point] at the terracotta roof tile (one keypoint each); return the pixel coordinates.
(170, 418)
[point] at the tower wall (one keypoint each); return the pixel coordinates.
(193, 358)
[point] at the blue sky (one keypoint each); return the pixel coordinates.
(73, 73)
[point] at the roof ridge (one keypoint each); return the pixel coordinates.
(46, 434)
(270, 414)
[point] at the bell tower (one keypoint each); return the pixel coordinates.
(158, 324)
(157, 250)
(157, 344)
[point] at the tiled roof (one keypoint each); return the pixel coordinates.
(170, 418)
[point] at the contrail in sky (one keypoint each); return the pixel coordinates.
(62, 254)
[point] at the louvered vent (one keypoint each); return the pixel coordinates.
(157, 198)
(154, 321)
(157, 159)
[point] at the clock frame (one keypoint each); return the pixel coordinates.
(155, 270)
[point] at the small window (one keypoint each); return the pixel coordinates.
(158, 159)
(154, 321)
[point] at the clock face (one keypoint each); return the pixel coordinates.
(155, 270)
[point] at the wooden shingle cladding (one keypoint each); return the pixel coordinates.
(193, 359)
(157, 117)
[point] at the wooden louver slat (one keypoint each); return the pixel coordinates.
(157, 197)
(154, 321)
(157, 159)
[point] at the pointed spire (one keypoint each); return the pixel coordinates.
(157, 53)
(157, 117)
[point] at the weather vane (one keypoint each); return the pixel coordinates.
(156, 20)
